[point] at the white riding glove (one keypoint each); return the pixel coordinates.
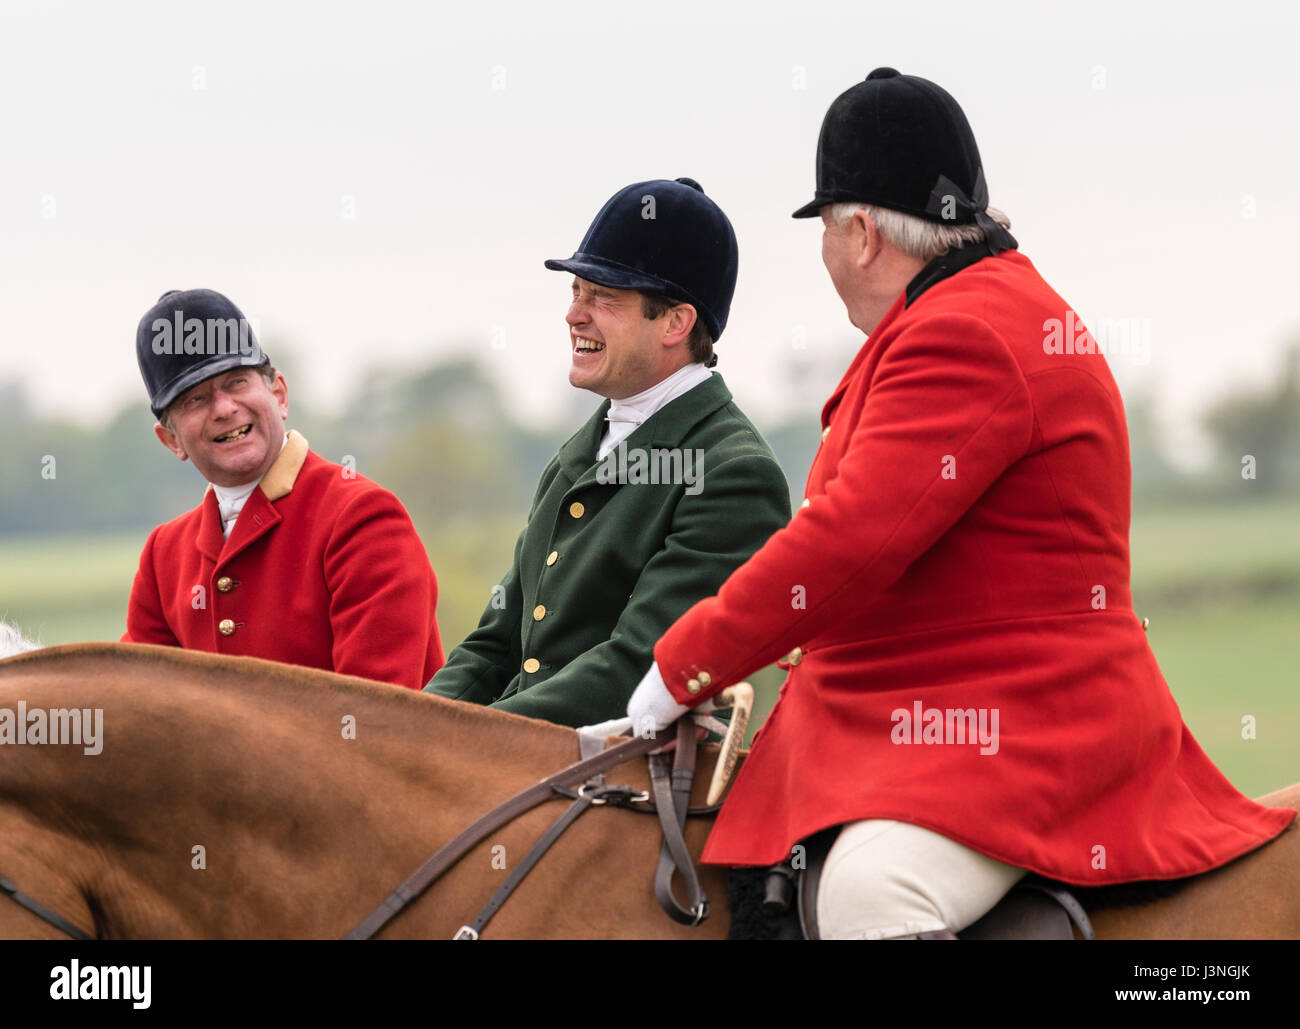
(652, 707)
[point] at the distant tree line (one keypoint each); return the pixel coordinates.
(444, 440)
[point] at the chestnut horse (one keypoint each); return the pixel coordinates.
(239, 798)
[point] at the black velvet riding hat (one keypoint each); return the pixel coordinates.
(663, 235)
(189, 336)
(901, 142)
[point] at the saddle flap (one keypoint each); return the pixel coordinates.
(1023, 914)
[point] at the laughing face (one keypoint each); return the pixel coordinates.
(231, 426)
(615, 350)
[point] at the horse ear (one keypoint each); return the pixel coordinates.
(740, 698)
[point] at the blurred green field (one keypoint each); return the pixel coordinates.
(61, 589)
(1220, 584)
(1174, 548)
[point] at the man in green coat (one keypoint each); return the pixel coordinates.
(665, 491)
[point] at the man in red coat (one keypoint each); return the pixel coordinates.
(289, 557)
(970, 694)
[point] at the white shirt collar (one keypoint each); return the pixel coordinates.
(626, 414)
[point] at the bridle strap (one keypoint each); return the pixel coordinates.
(454, 849)
(672, 800)
(41, 911)
(472, 930)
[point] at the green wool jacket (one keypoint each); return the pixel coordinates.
(604, 566)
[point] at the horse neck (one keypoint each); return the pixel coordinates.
(266, 768)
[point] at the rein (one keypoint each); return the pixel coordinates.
(671, 790)
(42, 912)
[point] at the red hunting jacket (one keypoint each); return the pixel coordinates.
(962, 556)
(322, 568)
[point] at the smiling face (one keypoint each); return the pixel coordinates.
(615, 350)
(231, 426)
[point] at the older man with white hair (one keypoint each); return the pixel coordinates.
(970, 692)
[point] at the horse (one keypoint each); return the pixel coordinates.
(226, 797)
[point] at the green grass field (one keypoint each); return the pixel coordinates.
(1179, 550)
(1220, 584)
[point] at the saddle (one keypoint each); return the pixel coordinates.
(780, 903)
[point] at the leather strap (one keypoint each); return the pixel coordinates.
(461, 844)
(41, 911)
(672, 799)
(816, 849)
(571, 813)
(1067, 900)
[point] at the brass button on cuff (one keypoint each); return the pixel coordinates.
(531, 665)
(226, 627)
(693, 686)
(552, 557)
(704, 678)
(225, 584)
(576, 509)
(539, 612)
(795, 656)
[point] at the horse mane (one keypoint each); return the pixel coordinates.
(13, 642)
(213, 669)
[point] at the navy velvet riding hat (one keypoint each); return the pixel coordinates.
(901, 142)
(662, 235)
(189, 336)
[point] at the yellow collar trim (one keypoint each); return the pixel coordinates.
(280, 477)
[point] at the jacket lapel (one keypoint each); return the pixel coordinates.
(579, 452)
(256, 519)
(209, 539)
(259, 515)
(666, 428)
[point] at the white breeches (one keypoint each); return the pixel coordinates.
(884, 879)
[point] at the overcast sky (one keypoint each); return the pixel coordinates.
(1146, 154)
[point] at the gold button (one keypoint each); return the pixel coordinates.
(531, 665)
(225, 584)
(1145, 623)
(539, 612)
(576, 509)
(826, 432)
(226, 627)
(552, 557)
(693, 686)
(795, 656)
(806, 503)
(704, 678)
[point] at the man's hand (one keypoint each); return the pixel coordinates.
(652, 707)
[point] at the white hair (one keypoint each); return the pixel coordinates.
(12, 642)
(915, 236)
